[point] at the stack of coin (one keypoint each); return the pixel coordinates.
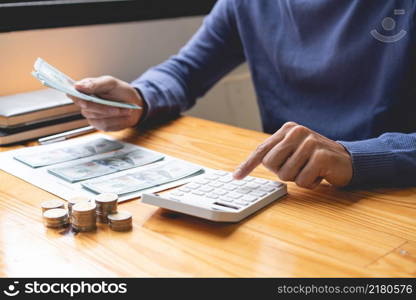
(106, 204)
(83, 217)
(74, 200)
(55, 218)
(51, 204)
(120, 221)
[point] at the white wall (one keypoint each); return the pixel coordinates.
(123, 50)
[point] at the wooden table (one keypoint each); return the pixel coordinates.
(325, 232)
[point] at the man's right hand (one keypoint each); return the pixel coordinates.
(104, 117)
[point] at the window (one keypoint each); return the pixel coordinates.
(24, 15)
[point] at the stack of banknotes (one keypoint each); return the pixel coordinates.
(152, 176)
(103, 159)
(59, 155)
(105, 164)
(53, 78)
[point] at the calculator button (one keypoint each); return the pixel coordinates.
(243, 190)
(216, 184)
(252, 185)
(212, 196)
(192, 186)
(275, 184)
(248, 179)
(238, 182)
(220, 192)
(220, 173)
(211, 177)
(202, 181)
(261, 181)
(177, 193)
(226, 199)
(234, 195)
(226, 179)
(229, 187)
(271, 186)
(198, 193)
(267, 189)
(258, 193)
(206, 189)
(242, 200)
(249, 198)
(184, 189)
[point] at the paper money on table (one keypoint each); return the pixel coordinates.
(53, 78)
(43, 157)
(158, 174)
(110, 163)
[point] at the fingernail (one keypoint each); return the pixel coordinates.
(80, 83)
(237, 173)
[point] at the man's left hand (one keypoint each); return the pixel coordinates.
(296, 153)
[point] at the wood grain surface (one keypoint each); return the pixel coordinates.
(324, 232)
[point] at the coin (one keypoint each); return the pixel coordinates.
(51, 204)
(120, 221)
(74, 200)
(83, 217)
(106, 204)
(83, 207)
(120, 216)
(55, 218)
(106, 197)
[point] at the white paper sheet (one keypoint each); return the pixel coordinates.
(41, 178)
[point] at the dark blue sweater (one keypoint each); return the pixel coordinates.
(343, 68)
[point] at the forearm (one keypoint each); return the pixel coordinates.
(389, 160)
(161, 100)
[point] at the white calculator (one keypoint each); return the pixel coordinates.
(216, 196)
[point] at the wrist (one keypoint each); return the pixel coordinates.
(372, 162)
(141, 113)
(348, 165)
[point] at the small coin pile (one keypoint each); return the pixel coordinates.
(83, 217)
(120, 221)
(74, 200)
(55, 218)
(83, 213)
(106, 204)
(51, 204)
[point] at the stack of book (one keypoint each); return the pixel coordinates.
(31, 115)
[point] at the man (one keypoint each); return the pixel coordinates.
(334, 82)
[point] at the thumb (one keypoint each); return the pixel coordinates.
(98, 85)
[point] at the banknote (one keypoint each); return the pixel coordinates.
(46, 71)
(130, 160)
(53, 78)
(142, 179)
(82, 171)
(110, 163)
(44, 157)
